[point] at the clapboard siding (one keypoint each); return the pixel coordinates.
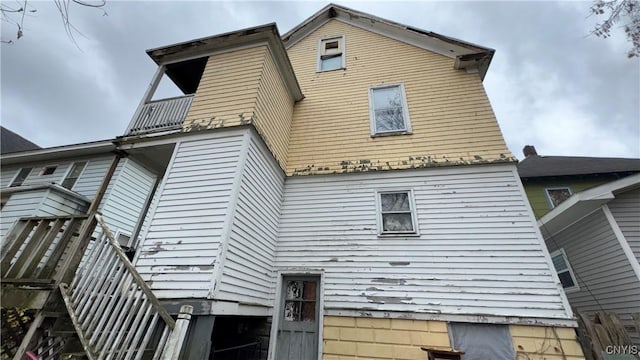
(92, 176)
(604, 274)
(57, 204)
(179, 251)
(126, 197)
(20, 205)
(626, 210)
(477, 253)
(537, 194)
(451, 117)
(274, 111)
(248, 266)
(7, 174)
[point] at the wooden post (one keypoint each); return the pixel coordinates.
(133, 242)
(177, 337)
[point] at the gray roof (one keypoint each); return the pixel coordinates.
(11, 142)
(541, 166)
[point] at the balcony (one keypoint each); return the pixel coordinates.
(160, 115)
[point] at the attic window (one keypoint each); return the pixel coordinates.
(48, 170)
(331, 53)
(557, 195)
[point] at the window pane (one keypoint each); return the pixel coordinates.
(292, 311)
(309, 311)
(71, 179)
(566, 280)
(22, 175)
(389, 97)
(557, 196)
(294, 289)
(559, 263)
(395, 202)
(309, 291)
(331, 63)
(397, 222)
(389, 119)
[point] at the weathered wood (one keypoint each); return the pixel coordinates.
(27, 252)
(64, 290)
(593, 336)
(14, 241)
(37, 321)
(44, 246)
(56, 255)
(177, 337)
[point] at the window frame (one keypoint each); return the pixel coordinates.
(550, 201)
(405, 111)
(561, 252)
(12, 182)
(70, 169)
(46, 167)
(412, 210)
(341, 46)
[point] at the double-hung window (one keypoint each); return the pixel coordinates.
(20, 177)
(388, 110)
(74, 174)
(396, 212)
(565, 273)
(557, 195)
(331, 53)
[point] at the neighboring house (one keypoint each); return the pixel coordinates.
(549, 180)
(342, 191)
(593, 233)
(12, 142)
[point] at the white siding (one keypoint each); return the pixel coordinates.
(92, 176)
(248, 265)
(179, 251)
(19, 205)
(626, 210)
(127, 193)
(607, 281)
(478, 251)
(6, 175)
(58, 204)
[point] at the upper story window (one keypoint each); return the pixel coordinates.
(565, 273)
(396, 212)
(73, 174)
(48, 170)
(331, 53)
(557, 195)
(22, 175)
(388, 110)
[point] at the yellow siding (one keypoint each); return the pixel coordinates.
(548, 343)
(538, 196)
(451, 118)
(274, 111)
(369, 338)
(228, 90)
(244, 87)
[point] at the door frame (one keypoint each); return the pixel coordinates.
(277, 307)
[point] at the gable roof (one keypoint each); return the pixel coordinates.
(467, 56)
(11, 142)
(543, 166)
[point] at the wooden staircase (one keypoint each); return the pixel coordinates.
(91, 305)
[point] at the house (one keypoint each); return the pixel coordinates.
(592, 229)
(340, 191)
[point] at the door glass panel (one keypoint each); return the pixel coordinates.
(309, 311)
(294, 289)
(292, 311)
(309, 292)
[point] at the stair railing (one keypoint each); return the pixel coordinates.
(114, 312)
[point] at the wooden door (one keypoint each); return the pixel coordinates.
(298, 324)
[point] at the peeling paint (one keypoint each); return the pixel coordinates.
(389, 281)
(374, 289)
(389, 299)
(399, 263)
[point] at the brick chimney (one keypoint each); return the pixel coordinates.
(529, 150)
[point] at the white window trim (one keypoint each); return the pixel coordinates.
(13, 179)
(68, 172)
(405, 111)
(414, 213)
(546, 192)
(574, 288)
(344, 53)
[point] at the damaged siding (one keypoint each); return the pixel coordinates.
(626, 210)
(179, 251)
(477, 253)
(451, 117)
(227, 93)
(607, 281)
(247, 274)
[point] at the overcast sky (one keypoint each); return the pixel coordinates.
(550, 83)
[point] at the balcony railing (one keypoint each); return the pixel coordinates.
(161, 115)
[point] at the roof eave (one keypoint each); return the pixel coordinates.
(468, 56)
(233, 40)
(67, 151)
